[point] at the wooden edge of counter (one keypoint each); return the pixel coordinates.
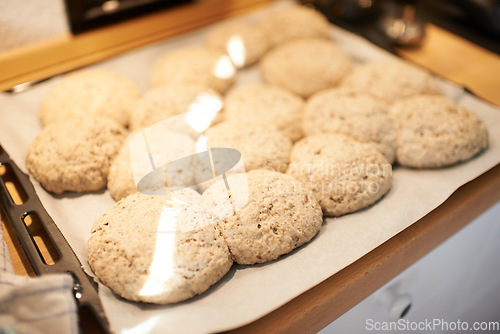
(470, 65)
(322, 304)
(65, 53)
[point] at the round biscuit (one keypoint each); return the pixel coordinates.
(356, 115)
(345, 175)
(157, 249)
(294, 22)
(433, 132)
(199, 65)
(305, 66)
(266, 105)
(260, 146)
(85, 92)
(280, 214)
(390, 80)
(75, 154)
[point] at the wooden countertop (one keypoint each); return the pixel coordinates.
(459, 61)
(322, 304)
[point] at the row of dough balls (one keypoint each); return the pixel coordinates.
(353, 133)
(201, 257)
(213, 66)
(261, 232)
(263, 121)
(284, 212)
(190, 243)
(342, 165)
(329, 174)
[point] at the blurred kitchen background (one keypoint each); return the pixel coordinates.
(29, 21)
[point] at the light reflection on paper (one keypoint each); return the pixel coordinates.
(224, 68)
(144, 327)
(236, 50)
(163, 264)
(202, 112)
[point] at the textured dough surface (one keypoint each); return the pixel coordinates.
(260, 146)
(305, 66)
(345, 175)
(199, 65)
(266, 105)
(85, 92)
(75, 154)
(434, 131)
(390, 80)
(158, 250)
(280, 215)
(351, 114)
(294, 22)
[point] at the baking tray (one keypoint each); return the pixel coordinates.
(40, 224)
(247, 293)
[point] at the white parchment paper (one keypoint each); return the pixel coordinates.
(247, 293)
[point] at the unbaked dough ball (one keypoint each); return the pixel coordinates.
(345, 175)
(75, 154)
(91, 91)
(158, 249)
(305, 66)
(211, 67)
(264, 214)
